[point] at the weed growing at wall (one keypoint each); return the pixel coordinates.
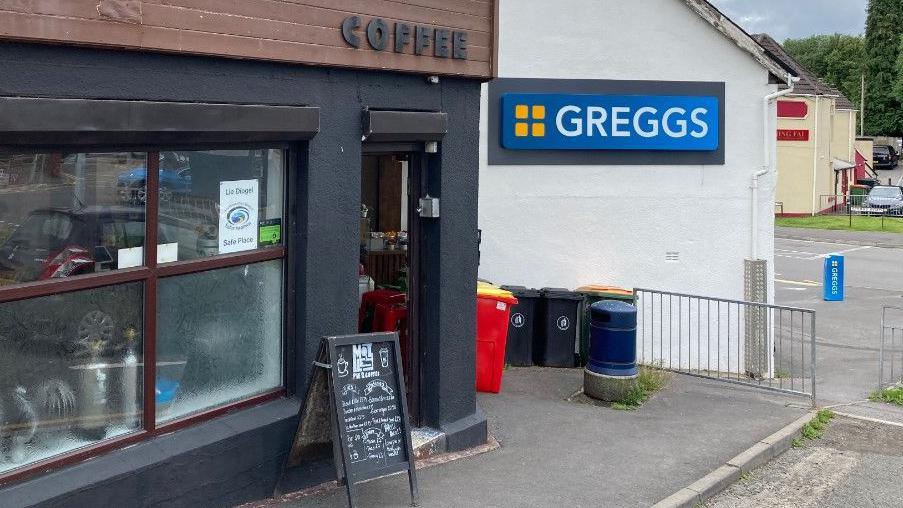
(649, 381)
(815, 428)
(889, 395)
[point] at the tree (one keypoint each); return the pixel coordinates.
(837, 59)
(898, 72)
(884, 107)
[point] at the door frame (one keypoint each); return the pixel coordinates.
(416, 189)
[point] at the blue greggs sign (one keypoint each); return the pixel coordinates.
(575, 121)
(833, 278)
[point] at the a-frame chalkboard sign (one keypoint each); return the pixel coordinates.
(367, 410)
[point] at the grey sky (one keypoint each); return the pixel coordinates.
(796, 18)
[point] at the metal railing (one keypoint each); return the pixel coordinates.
(755, 344)
(890, 369)
(871, 171)
(856, 205)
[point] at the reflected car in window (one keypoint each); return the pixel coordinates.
(59, 242)
(175, 178)
(56, 242)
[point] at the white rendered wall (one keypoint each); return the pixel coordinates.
(566, 226)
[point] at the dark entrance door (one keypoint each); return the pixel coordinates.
(391, 185)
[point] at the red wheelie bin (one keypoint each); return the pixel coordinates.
(493, 311)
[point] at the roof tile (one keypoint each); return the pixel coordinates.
(809, 83)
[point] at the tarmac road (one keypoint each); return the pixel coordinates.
(856, 464)
(847, 332)
(895, 176)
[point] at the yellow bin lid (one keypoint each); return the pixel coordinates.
(612, 290)
(486, 290)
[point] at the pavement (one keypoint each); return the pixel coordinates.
(860, 238)
(856, 463)
(554, 452)
(848, 332)
(894, 176)
(559, 453)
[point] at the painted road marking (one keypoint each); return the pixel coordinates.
(807, 283)
(812, 256)
(778, 239)
(811, 283)
(802, 258)
(861, 247)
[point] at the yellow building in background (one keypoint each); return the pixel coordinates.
(816, 148)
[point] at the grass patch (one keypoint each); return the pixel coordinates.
(5, 233)
(781, 374)
(649, 380)
(814, 429)
(834, 222)
(888, 395)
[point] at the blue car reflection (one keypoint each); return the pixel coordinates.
(175, 178)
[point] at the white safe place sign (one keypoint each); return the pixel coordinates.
(238, 202)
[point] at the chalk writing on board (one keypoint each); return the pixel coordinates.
(357, 394)
(370, 406)
(342, 366)
(378, 384)
(362, 360)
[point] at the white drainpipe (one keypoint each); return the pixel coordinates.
(767, 138)
(851, 132)
(815, 159)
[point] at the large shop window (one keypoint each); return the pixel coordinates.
(139, 291)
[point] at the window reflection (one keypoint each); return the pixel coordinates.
(71, 363)
(63, 215)
(219, 201)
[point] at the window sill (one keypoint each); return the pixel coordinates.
(210, 454)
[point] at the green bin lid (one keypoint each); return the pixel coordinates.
(522, 291)
(561, 294)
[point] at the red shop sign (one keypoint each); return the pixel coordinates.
(792, 109)
(793, 135)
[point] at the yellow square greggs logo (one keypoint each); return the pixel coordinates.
(529, 120)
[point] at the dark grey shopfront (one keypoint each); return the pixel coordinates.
(235, 454)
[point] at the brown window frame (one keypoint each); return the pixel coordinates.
(149, 274)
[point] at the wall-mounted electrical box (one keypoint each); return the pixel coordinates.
(429, 207)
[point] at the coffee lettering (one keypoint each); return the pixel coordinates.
(445, 43)
(402, 36)
(459, 45)
(377, 34)
(422, 39)
(348, 26)
(442, 43)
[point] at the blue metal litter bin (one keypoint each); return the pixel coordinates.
(612, 349)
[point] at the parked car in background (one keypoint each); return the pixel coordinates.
(60, 242)
(885, 156)
(882, 200)
(175, 178)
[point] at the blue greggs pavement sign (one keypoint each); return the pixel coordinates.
(557, 121)
(834, 278)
